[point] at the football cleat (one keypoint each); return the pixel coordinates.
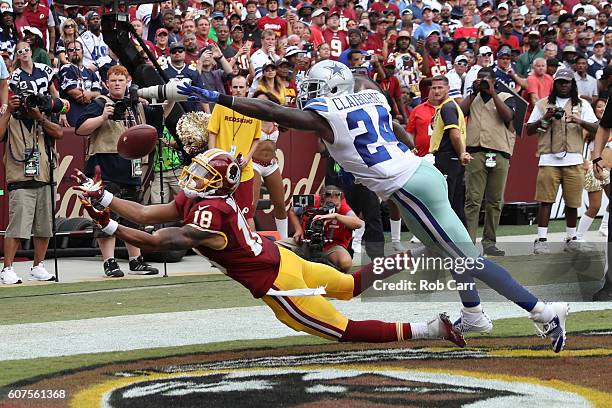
(442, 326)
(470, 322)
(554, 328)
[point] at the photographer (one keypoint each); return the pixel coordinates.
(490, 141)
(325, 230)
(103, 122)
(558, 121)
(27, 134)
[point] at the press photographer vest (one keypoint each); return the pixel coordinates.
(17, 134)
(485, 128)
(560, 135)
(104, 139)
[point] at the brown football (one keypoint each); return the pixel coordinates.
(136, 142)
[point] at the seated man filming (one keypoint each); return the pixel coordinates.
(323, 229)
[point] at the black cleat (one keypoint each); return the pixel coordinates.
(138, 266)
(111, 269)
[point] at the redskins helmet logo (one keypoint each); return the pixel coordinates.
(233, 173)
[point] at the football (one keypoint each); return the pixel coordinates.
(137, 141)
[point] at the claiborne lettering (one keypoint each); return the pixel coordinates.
(349, 101)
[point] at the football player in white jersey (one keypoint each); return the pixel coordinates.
(359, 134)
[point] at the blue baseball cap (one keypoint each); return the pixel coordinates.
(217, 14)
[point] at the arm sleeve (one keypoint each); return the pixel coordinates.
(68, 78)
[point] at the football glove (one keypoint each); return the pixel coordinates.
(92, 189)
(198, 94)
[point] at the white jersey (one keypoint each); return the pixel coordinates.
(364, 142)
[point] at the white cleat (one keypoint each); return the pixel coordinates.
(554, 328)
(470, 322)
(398, 246)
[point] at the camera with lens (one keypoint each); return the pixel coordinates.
(558, 113)
(314, 230)
(120, 109)
(47, 104)
(483, 86)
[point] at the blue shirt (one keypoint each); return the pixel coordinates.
(186, 72)
(423, 31)
(71, 77)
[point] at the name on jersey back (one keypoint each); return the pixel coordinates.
(358, 99)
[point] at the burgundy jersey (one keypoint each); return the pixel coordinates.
(246, 258)
(338, 42)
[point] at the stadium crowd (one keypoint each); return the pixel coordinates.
(456, 73)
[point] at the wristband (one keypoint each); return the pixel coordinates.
(225, 100)
(544, 121)
(106, 198)
(597, 160)
(111, 227)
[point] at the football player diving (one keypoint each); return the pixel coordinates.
(214, 226)
(357, 129)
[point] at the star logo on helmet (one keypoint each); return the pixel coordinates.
(336, 70)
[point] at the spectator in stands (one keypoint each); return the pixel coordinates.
(265, 54)
(559, 121)
(188, 26)
(518, 26)
(597, 62)
(550, 50)
(483, 60)
(334, 36)
(68, 32)
(238, 135)
(407, 62)
(95, 50)
(587, 85)
(8, 32)
(467, 29)
(39, 16)
(214, 70)
(271, 83)
(179, 70)
(455, 78)
(525, 61)
(33, 36)
(78, 84)
(272, 21)
(355, 42)
(552, 65)
(419, 124)
(223, 40)
(505, 37)
(504, 72)
(433, 64)
(391, 88)
(203, 27)
(426, 27)
(122, 177)
(162, 50)
(316, 27)
(539, 82)
(490, 142)
(191, 49)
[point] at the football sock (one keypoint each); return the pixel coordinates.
(282, 226)
(542, 232)
(396, 230)
(570, 231)
(500, 280)
(584, 225)
(133, 258)
(375, 331)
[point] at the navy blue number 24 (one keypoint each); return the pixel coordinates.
(370, 135)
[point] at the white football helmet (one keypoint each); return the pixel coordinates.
(326, 79)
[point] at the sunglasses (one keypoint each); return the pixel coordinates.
(69, 26)
(162, 34)
(23, 51)
(462, 63)
(487, 54)
(177, 50)
(333, 193)
(74, 49)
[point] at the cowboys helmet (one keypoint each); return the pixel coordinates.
(326, 79)
(214, 173)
